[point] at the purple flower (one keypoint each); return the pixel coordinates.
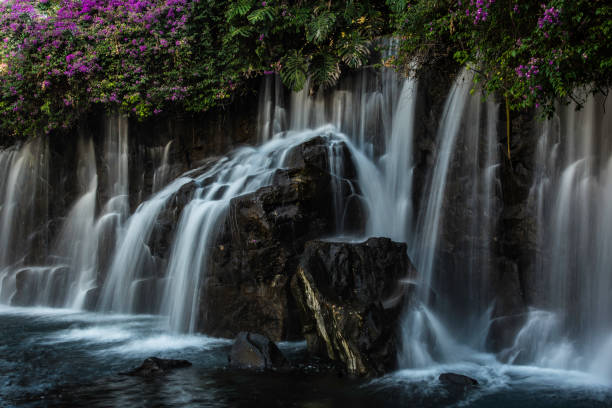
(551, 16)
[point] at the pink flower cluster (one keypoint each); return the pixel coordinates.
(550, 16)
(75, 42)
(478, 9)
(528, 71)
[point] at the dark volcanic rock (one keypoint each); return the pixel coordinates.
(257, 251)
(255, 351)
(154, 366)
(457, 381)
(341, 290)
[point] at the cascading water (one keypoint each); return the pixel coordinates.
(77, 241)
(73, 260)
(23, 209)
(381, 143)
(271, 116)
(429, 225)
(162, 175)
(424, 336)
(572, 192)
(246, 170)
(132, 258)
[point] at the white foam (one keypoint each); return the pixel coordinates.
(94, 334)
(494, 377)
(36, 311)
(166, 342)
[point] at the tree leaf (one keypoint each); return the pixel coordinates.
(293, 73)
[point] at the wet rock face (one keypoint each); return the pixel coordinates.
(257, 251)
(153, 367)
(345, 293)
(256, 352)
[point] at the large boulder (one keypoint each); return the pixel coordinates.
(255, 351)
(350, 298)
(256, 254)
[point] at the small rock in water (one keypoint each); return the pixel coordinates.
(255, 351)
(457, 380)
(154, 366)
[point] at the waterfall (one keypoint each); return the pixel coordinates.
(416, 334)
(467, 153)
(23, 210)
(429, 224)
(391, 210)
(381, 140)
(106, 257)
(116, 155)
(77, 240)
(132, 259)
(271, 116)
(572, 192)
(162, 175)
(85, 229)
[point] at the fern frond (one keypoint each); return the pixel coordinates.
(244, 31)
(241, 8)
(261, 14)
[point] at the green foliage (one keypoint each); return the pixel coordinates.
(320, 26)
(295, 68)
(313, 40)
(531, 54)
